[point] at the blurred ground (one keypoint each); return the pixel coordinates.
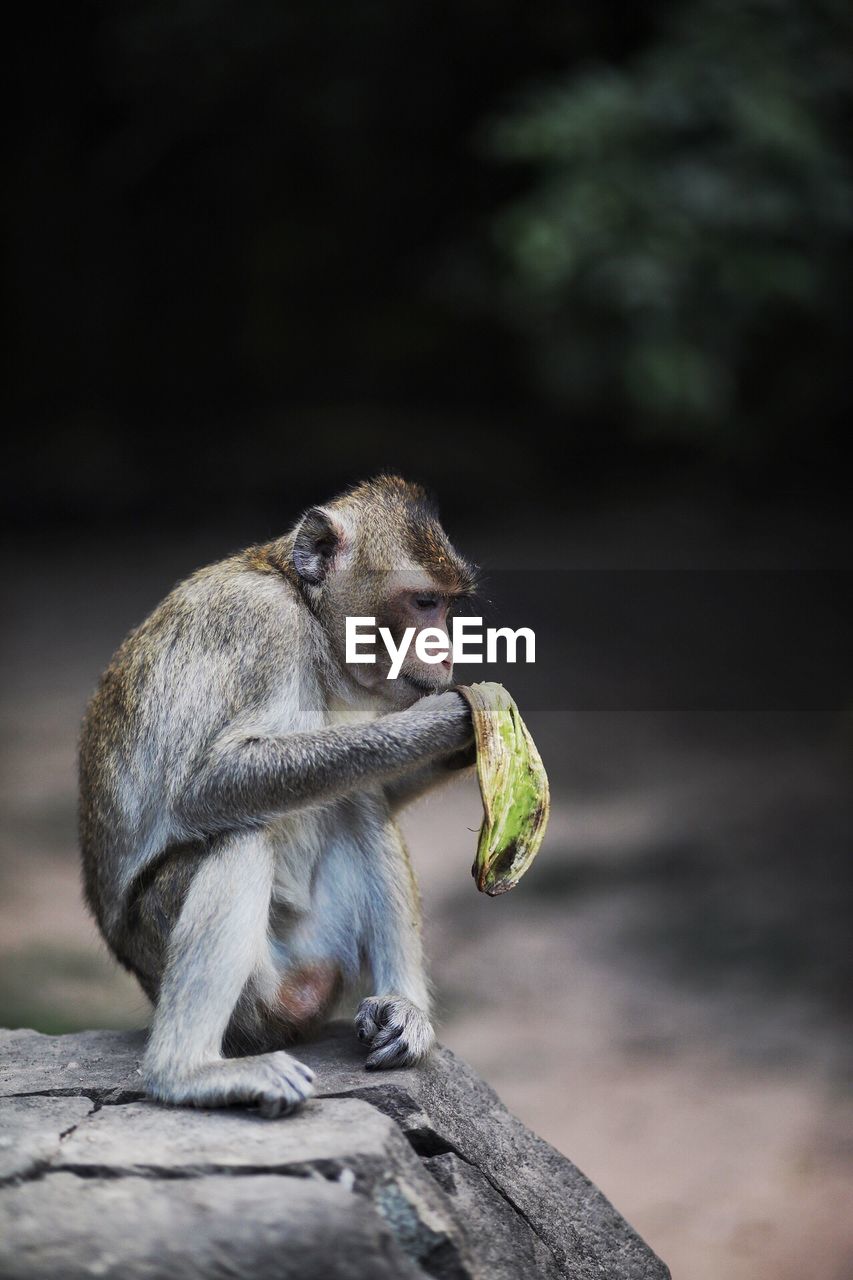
(661, 998)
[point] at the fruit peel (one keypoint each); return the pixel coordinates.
(513, 786)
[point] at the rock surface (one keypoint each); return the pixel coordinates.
(413, 1173)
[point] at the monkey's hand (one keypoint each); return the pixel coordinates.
(397, 1031)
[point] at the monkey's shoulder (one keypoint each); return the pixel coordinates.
(224, 639)
(226, 612)
(231, 602)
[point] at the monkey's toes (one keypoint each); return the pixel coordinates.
(289, 1083)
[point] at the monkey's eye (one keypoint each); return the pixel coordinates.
(426, 602)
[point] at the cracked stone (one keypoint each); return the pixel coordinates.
(143, 1136)
(100, 1064)
(268, 1227)
(31, 1130)
(339, 1139)
(442, 1108)
(502, 1242)
(588, 1237)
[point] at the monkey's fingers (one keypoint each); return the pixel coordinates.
(386, 1034)
(394, 1052)
(399, 1033)
(372, 1014)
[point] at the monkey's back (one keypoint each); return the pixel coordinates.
(222, 646)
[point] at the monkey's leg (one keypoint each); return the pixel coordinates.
(218, 945)
(395, 1023)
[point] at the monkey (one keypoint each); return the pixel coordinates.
(239, 784)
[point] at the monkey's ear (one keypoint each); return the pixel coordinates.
(317, 539)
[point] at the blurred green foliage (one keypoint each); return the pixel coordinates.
(679, 252)
(324, 221)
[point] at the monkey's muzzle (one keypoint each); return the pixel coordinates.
(513, 786)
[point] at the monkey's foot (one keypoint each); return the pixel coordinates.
(275, 1082)
(397, 1031)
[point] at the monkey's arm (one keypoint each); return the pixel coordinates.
(247, 779)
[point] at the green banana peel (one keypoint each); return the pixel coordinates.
(513, 786)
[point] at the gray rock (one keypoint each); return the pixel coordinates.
(445, 1175)
(101, 1065)
(502, 1241)
(327, 1135)
(445, 1106)
(265, 1228)
(339, 1139)
(31, 1130)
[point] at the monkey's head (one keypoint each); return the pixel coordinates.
(379, 551)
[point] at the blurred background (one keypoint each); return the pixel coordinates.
(585, 271)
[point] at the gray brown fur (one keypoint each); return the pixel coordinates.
(237, 790)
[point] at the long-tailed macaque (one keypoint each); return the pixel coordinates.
(238, 785)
